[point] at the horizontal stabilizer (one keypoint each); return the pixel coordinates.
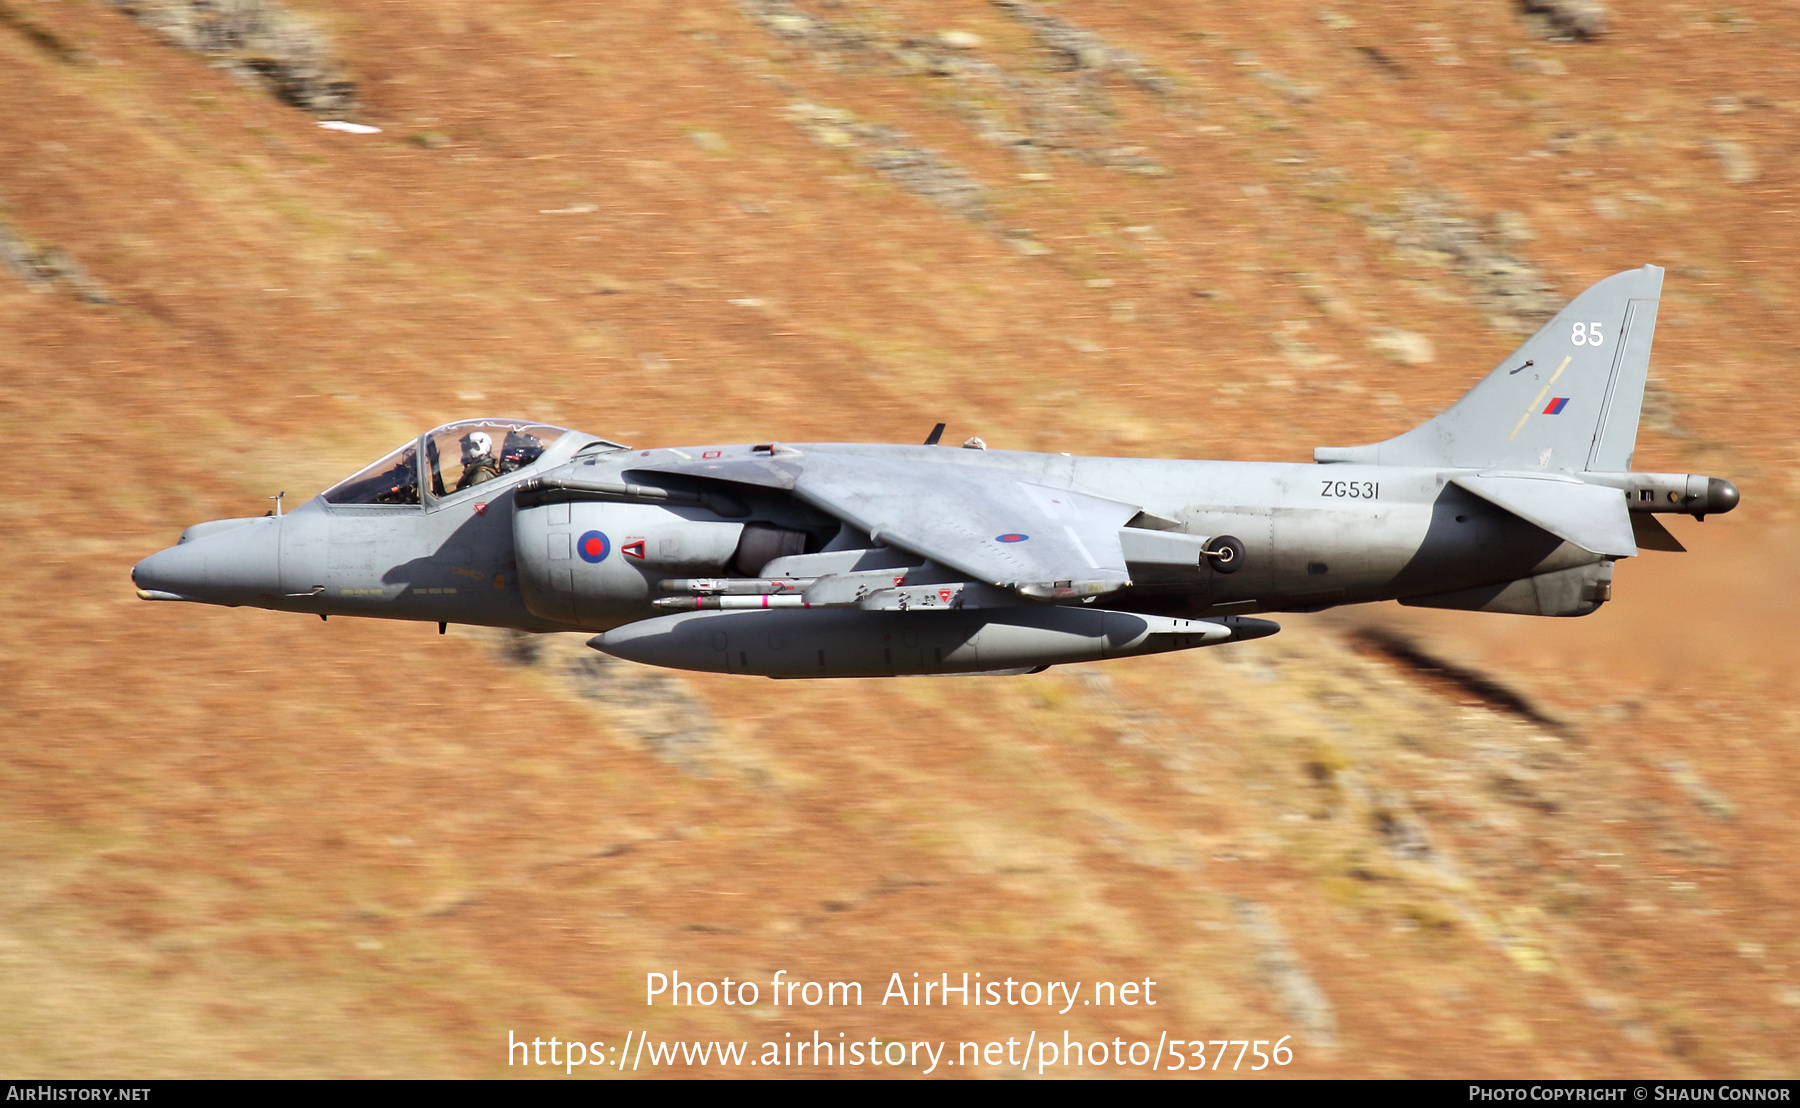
(1593, 517)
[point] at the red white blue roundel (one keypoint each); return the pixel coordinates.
(1011, 536)
(593, 547)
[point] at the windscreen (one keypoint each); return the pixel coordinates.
(392, 480)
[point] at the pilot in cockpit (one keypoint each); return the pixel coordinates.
(479, 463)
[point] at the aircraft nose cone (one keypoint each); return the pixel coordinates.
(1721, 495)
(218, 565)
(178, 572)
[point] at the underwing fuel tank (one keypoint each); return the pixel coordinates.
(856, 643)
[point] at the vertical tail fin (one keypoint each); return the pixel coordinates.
(1567, 400)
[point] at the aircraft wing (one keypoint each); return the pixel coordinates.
(1044, 541)
(998, 529)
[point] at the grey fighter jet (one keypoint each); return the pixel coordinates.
(861, 560)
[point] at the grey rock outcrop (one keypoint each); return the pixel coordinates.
(652, 707)
(43, 267)
(1567, 19)
(1080, 49)
(1065, 111)
(256, 40)
(1300, 996)
(1508, 288)
(895, 155)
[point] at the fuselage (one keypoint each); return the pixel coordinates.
(1313, 536)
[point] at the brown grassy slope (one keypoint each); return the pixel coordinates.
(241, 843)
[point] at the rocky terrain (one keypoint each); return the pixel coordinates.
(1426, 844)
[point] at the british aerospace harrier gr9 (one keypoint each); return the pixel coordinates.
(862, 560)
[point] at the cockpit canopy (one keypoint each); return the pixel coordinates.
(457, 456)
(462, 455)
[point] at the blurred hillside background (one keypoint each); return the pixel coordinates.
(238, 843)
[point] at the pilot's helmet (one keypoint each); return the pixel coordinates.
(476, 445)
(520, 449)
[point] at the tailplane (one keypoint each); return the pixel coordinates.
(1565, 401)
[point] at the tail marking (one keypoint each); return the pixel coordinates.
(1533, 406)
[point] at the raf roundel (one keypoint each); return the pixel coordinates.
(593, 547)
(1011, 536)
